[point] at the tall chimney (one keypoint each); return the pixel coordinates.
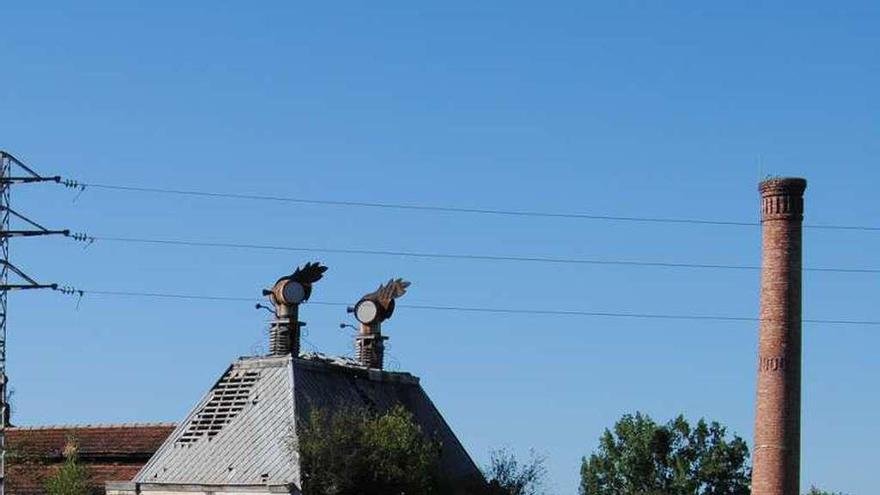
(776, 456)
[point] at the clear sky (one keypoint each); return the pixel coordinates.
(621, 108)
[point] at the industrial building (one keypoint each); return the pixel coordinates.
(241, 436)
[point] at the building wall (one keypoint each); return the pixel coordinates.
(132, 489)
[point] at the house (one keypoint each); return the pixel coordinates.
(109, 452)
(240, 438)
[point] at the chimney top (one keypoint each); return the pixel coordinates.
(782, 198)
(776, 186)
(371, 311)
(286, 296)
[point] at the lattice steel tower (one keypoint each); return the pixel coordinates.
(12, 172)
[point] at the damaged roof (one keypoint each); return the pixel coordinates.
(243, 431)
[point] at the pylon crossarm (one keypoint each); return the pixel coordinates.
(28, 180)
(22, 217)
(26, 287)
(5, 232)
(32, 233)
(18, 272)
(16, 161)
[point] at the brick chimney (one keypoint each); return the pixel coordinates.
(371, 311)
(286, 296)
(776, 455)
(369, 345)
(284, 331)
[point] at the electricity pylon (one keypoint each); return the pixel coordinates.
(14, 172)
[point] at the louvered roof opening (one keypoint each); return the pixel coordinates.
(228, 398)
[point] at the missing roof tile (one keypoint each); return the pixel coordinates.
(228, 398)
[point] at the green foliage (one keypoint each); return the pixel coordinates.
(643, 458)
(356, 452)
(507, 476)
(73, 478)
(816, 491)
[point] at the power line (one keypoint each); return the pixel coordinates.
(454, 209)
(469, 257)
(165, 295)
(489, 310)
(626, 315)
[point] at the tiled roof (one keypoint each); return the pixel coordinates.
(30, 479)
(251, 444)
(110, 452)
(93, 441)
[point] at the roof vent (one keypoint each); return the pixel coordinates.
(371, 311)
(228, 398)
(286, 296)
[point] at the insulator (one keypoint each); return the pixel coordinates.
(79, 236)
(70, 291)
(73, 184)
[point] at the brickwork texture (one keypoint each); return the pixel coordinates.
(776, 455)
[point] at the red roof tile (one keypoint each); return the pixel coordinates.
(111, 453)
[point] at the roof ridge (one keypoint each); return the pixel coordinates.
(94, 426)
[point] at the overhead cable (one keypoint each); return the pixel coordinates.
(477, 309)
(460, 256)
(454, 209)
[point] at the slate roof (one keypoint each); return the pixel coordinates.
(247, 441)
(111, 453)
(248, 450)
(331, 386)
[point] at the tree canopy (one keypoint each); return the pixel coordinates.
(507, 475)
(817, 491)
(358, 452)
(354, 451)
(641, 457)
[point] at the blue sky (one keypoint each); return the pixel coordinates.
(621, 108)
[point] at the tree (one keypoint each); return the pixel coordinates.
(507, 476)
(358, 452)
(73, 478)
(641, 457)
(816, 491)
